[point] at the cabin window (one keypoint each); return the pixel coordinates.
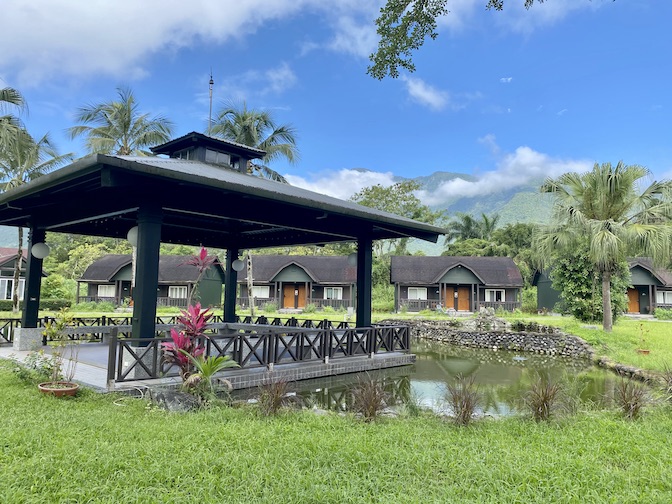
(261, 291)
(417, 293)
(7, 288)
(177, 292)
(333, 293)
(495, 295)
(218, 158)
(664, 297)
(106, 291)
(185, 154)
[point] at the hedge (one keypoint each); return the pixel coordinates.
(45, 304)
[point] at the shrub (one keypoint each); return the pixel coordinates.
(663, 313)
(464, 398)
(631, 397)
(543, 398)
(310, 308)
(270, 307)
(529, 304)
(94, 307)
(36, 367)
(45, 304)
(368, 398)
(328, 309)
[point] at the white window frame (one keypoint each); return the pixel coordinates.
(664, 297)
(7, 288)
(333, 293)
(491, 295)
(177, 292)
(104, 290)
(261, 291)
(417, 293)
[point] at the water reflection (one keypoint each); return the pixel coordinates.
(503, 378)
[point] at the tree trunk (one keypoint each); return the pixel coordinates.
(250, 284)
(607, 319)
(17, 274)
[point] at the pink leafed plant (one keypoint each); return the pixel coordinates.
(192, 325)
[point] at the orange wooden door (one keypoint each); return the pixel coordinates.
(633, 301)
(301, 296)
(449, 297)
(293, 296)
(288, 296)
(463, 295)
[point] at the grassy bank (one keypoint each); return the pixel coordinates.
(102, 448)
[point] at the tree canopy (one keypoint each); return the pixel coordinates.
(257, 128)
(608, 208)
(118, 127)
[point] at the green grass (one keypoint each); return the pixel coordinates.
(103, 448)
(622, 343)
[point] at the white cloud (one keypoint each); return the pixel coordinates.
(513, 170)
(425, 94)
(100, 37)
(505, 80)
(256, 83)
(516, 18)
(562, 112)
(343, 183)
(358, 39)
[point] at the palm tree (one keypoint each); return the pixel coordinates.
(256, 128)
(25, 160)
(10, 125)
(465, 227)
(117, 127)
(606, 208)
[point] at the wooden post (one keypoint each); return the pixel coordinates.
(31, 296)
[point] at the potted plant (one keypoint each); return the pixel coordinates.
(64, 357)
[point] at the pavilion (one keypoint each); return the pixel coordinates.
(201, 194)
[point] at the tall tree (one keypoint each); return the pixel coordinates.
(118, 127)
(11, 103)
(25, 160)
(257, 128)
(403, 26)
(399, 199)
(607, 207)
(466, 227)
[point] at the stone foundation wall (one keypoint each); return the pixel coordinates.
(549, 342)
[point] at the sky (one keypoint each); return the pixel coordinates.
(505, 97)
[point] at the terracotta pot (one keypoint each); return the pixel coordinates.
(59, 388)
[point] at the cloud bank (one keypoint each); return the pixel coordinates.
(515, 169)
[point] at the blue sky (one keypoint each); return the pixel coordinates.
(504, 96)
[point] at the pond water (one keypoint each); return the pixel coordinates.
(502, 377)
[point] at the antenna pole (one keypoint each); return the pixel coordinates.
(212, 82)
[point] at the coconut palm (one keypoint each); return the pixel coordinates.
(465, 227)
(607, 208)
(117, 127)
(256, 128)
(10, 125)
(25, 160)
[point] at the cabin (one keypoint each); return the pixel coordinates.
(109, 280)
(295, 282)
(7, 265)
(463, 284)
(650, 288)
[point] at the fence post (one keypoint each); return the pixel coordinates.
(112, 358)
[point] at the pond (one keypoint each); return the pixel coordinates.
(502, 377)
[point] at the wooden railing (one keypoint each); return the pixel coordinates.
(416, 305)
(253, 346)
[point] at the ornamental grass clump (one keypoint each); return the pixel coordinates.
(544, 397)
(464, 398)
(369, 398)
(273, 396)
(631, 397)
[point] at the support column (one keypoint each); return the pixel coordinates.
(364, 283)
(146, 272)
(230, 286)
(31, 294)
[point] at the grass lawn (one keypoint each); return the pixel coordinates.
(104, 448)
